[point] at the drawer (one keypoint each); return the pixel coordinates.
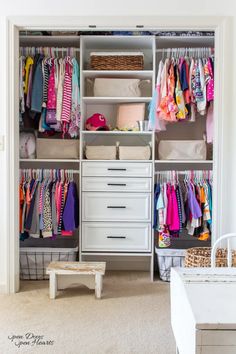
(117, 169)
(99, 206)
(108, 237)
(116, 184)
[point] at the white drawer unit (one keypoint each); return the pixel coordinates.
(116, 184)
(109, 206)
(118, 237)
(117, 169)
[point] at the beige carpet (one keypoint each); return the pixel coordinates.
(133, 317)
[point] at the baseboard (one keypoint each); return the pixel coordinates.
(122, 263)
(3, 288)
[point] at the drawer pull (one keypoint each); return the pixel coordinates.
(116, 207)
(117, 169)
(116, 236)
(116, 184)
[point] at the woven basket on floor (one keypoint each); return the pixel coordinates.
(116, 62)
(201, 257)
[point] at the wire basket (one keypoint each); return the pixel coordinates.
(116, 62)
(168, 258)
(201, 257)
(34, 261)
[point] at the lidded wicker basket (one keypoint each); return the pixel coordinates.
(201, 257)
(116, 61)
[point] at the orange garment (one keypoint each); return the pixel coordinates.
(167, 108)
(202, 195)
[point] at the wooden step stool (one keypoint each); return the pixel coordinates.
(65, 274)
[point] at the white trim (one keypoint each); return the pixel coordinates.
(218, 24)
(12, 152)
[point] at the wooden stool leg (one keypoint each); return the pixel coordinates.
(98, 285)
(53, 285)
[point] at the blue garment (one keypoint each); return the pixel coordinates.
(71, 212)
(157, 190)
(37, 87)
(183, 77)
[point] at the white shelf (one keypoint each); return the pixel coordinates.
(49, 160)
(115, 132)
(118, 42)
(118, 161)
(136, 254)
(50, 40)
(98, 100)
(119, 73)
(184, 41)
(184, 161)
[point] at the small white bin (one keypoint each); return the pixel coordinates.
(168, 258)
(34, 260)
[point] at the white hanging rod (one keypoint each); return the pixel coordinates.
(182, 51)
(32, 170)
(194, 172)
(48, 50)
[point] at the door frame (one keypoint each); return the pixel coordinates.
(220, 25)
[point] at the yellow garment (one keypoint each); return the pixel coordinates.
(28, 63)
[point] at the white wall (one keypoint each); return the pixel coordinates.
(119, 8)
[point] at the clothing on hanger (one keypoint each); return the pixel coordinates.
(180, 204)
(184, 87)
(48, 206)
(49, 87)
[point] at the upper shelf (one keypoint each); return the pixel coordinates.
(99, 41)
(184, 41)
(100, 100)
(61, 41)
(118, 42)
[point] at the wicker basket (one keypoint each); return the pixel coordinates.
(116, 62)
(201, 257)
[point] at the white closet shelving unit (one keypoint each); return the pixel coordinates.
(102, 231)
(116, 218)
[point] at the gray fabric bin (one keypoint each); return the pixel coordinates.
(57, 148)
(168, 258)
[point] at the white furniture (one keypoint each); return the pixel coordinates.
(65, 274)
(203, 311)
(223, 238)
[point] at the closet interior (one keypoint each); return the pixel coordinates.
(116, 145)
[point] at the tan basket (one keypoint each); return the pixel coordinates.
(100, 152)
(116, 62)
(201, 257)
(57, 148)
(134, 152)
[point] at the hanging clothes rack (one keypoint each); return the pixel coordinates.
(50, 51)
(42, 173)
(186, 51)
(197, 175)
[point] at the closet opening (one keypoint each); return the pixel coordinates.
(116, 147)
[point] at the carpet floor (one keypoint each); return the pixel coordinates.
(133, 317)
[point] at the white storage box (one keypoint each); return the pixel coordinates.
(34, 260)
(100, 152)
(134, 152)
(110, 87)
(168, 258)
(182, 150)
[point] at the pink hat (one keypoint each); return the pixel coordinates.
(96, 122)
